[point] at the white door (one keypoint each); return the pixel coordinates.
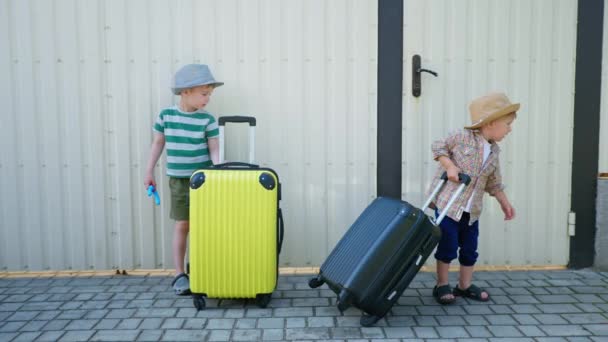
(527, 50)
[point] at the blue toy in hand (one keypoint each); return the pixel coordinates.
(152, 191)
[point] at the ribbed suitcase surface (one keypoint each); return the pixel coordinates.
(378, 257)
(233, 232)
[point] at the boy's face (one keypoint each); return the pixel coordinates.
(499, 129)
(197, 97)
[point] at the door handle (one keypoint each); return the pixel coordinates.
(417, 70)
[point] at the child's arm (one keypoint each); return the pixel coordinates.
(450, 168)
(505, 205)
(214, 149)
(155, 151)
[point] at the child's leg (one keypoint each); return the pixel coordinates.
(468, 239)
(180, 235)
(446, 252)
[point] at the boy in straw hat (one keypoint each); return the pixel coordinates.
(191, 135)
(473, 151)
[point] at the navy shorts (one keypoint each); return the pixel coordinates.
(458, 237)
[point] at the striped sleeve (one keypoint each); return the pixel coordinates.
(212, 129)
(159, 125)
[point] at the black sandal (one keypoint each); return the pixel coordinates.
(472, 292)
(440, 292)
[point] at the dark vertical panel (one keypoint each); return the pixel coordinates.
(390, 74)
(585, 150)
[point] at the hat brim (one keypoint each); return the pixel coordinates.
(507, 110)
(178, 91)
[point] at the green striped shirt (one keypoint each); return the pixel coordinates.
(186, 137)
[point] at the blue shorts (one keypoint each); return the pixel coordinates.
(458, 237)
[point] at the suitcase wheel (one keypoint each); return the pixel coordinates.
(263, 299)
(199, 302)
(315, 282)
(369, 320)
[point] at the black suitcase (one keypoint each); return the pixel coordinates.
(380, 254)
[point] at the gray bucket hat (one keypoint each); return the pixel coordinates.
(193, 75)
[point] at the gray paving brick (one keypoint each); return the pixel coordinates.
(504, 331)
(150, 323)
(187, 312)
(313, 302)
(500, 320)
(245, 323)
(398, 332)
(425, 332)
(397, 321)
(478, 309)
(82, 324)
(426, 321)
(121, 313)
(234, 313)
(26, 336)
(597, 329)
(185, 335)
(348, 321)
(219, 335)
(524, 319)
(270, 323)
(246, 335)
(58, 324)
(450, 320)
(77, 335)
(72, 314)
(220, 323)
(173, 323)
(476, 320)
(531, 331)
(372, 332)
(295, 322)
(23, 316)
(558, 308)
(564, 330)
(7, 336)
(585, 318)
(48, 336)
(524, 309)
(10, 306)
(257, 312)
(117, 304)
(452, 332)
(293, 312)
(96, 314)
(539, 291)
(478, 331)
(307, 333)
(154, 312)
(107, 323)
(195, 323)
(272, 335)
(150, 335)
(345, 333)
(129, 324)
(320, 322)
(116, 335)
(405, 310)
(549, 299)
(550, 319)
(33, 326)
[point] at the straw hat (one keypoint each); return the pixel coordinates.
(489, 108)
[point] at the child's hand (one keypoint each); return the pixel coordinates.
(149, 180)
(453, 174)
(508, 210)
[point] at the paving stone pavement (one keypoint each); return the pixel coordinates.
(559, 305)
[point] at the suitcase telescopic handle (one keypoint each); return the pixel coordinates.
(236, 164)
(238, 119)
(464, 181)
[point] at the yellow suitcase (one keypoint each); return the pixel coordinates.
(236, 230)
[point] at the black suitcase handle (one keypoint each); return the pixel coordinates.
(462, 177)
(281, 231)
(237, 119)
(235, 164)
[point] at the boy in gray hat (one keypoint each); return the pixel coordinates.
(190, 135)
